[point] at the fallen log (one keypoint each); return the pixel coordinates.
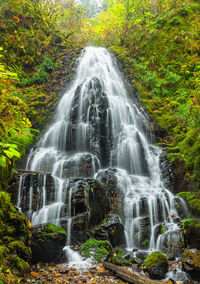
(130, 277)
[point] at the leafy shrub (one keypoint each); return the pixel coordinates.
(99, 250)
(41, 73)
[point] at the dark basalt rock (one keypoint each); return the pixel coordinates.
(115, 230)
(157, 265)
(181, 182)
(166, 171)
(142, 232)
(109, 179)
(191, 263)
(35, 181)
(47, 243)
(84, 166)
(95, 113)
(89, 206)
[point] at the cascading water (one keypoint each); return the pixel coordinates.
(96, 120)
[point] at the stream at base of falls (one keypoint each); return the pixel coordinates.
(100, 131)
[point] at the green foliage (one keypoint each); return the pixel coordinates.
(41, 74)
(191, 223)
(145, 243)
(30, 29)
(159, 43)
(99, 250)
(117, 257)
(162, 229)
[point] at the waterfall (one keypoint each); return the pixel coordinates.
(98, 120)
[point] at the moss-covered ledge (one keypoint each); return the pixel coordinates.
(193, 202)
(47, 243)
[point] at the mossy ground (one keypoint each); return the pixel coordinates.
(15, 254)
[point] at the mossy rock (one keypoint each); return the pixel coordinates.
(15, 254)
(191, 263)
(191, 232)
(157, 265)
(193, 201)
(99, 250)
(47, 243)
(46, 232)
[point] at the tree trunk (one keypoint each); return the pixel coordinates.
(130, 277)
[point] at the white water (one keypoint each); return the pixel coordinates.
(97, 107)
(75, 259)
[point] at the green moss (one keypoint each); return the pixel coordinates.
(145, 243)
(99, 250)
(117, 257)
(154, 259)
(191, 223)
(51, 228)
(193, 201)
(20, 249)
(15, 254)
(3, 252)
(22, 266)
(47, 232)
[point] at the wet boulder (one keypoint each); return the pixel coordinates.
(157, 265)
(47, 243)
(191, 263)
(115, 230)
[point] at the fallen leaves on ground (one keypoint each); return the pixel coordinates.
(62, 273)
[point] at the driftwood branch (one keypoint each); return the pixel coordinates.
(130, 277)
